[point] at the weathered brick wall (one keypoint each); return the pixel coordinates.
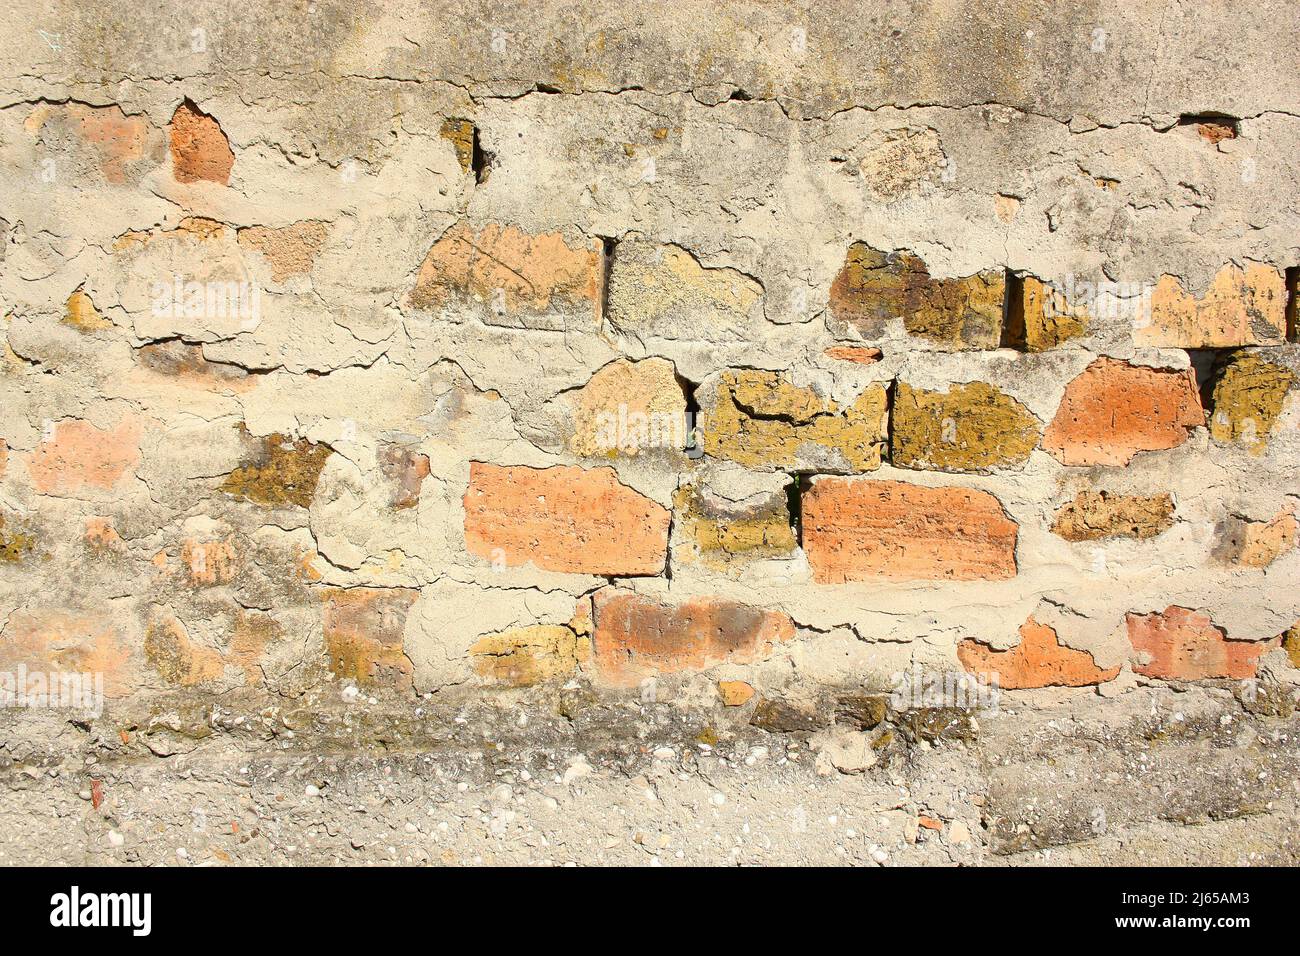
(432, 345)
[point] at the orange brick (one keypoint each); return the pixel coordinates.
(78, 455)
(1113, 410)
(200, 150)
(859, 354)
(735, 693)
(1186, 645)
(563, 519)
(637, 637)
(856, 530)
(510, 270)
(56, 642)
(1039, 660)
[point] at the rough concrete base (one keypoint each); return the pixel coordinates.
(1154, 777)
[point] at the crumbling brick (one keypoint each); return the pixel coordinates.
(1241, 307)
(364, 630)
(524, 656)
(200, 150)
(281, 472)
(1248, 396)
(77, 456)
(629, 409)
(1096, 515)
(504, 272)
(760, 419)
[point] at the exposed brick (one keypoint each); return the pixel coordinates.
(124, 146)
(1094, 515)
(1214, 130)
(101, 534)
(288, 250)
(78, 456)
(281, 472)
(1291, 642)
(209, 563)
(735, 693)
(509, 271)
(200, 150)
(1042, 316)
(563, 519)
(858, 354)
(364, 630)
(637, 637)
(187, 364)
(759, 419)
(1241, 307)
(862, 529)
(663, 291)
(1182, 644)
(1113, 410)
(405, 470)
(15, 543)
(1256, 544)
(1248, 396)
(254, 632)
(81, 314)
(177, 659)
(629, 408)
(896, 162)
(874, 287)
(460, 133)
(723, 531)
(1039, 660)
(62, 641)
(972, 427)
(524, 656)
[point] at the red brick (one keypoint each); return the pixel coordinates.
(1113, 410)
(856, 530)
(1186, 645)
(637, 637)
(563, 519)
(1039, 660)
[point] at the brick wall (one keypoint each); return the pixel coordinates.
(594, 347)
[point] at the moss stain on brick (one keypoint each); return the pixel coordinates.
(874, 287)
(524, 656)
(282, 472)
(1247, 400)
(759, 419)
(973, 427)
